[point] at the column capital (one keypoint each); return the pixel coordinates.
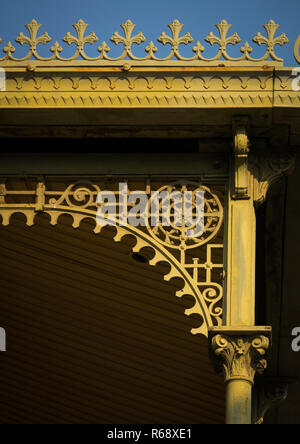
(240, 352)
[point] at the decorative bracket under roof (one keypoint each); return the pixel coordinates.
(241, 152)
(197, 261)
(267, 168)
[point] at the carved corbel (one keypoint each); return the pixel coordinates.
(240, 356)
(268, 169)
(268, 392)
(241, 152)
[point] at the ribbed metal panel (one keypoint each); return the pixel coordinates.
(95, 337)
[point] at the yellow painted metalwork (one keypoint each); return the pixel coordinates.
(169, 244)
(172, 88)
(173, 82)
(128, 39)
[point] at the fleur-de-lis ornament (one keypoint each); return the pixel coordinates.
(128, 40)
(103, 49)
(223, 41)
(198, 50)
(151, 49)
(9, 50)
(271, 40)
(81, 39)
(56, 49)
(33, 40)
(175, 40)
(246, 49)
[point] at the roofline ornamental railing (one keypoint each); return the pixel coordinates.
(174, 39)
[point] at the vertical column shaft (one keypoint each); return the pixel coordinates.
(239, 285)
(240, 270)
(239, 291)
(238, 401)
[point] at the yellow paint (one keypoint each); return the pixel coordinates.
(173, 82)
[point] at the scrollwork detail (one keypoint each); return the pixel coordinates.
(212, 295)
(82, 194)
(80, 200)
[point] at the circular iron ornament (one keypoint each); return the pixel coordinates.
(174, 236)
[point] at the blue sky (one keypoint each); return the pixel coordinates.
(152, 17)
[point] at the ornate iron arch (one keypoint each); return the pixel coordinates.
(79, 202)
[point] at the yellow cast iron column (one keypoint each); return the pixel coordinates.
(240, 353)
(238, 402)
(239, 345)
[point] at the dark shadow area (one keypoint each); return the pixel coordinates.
(101, 145)
(94, 336)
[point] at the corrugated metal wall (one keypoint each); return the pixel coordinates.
(95, 337)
